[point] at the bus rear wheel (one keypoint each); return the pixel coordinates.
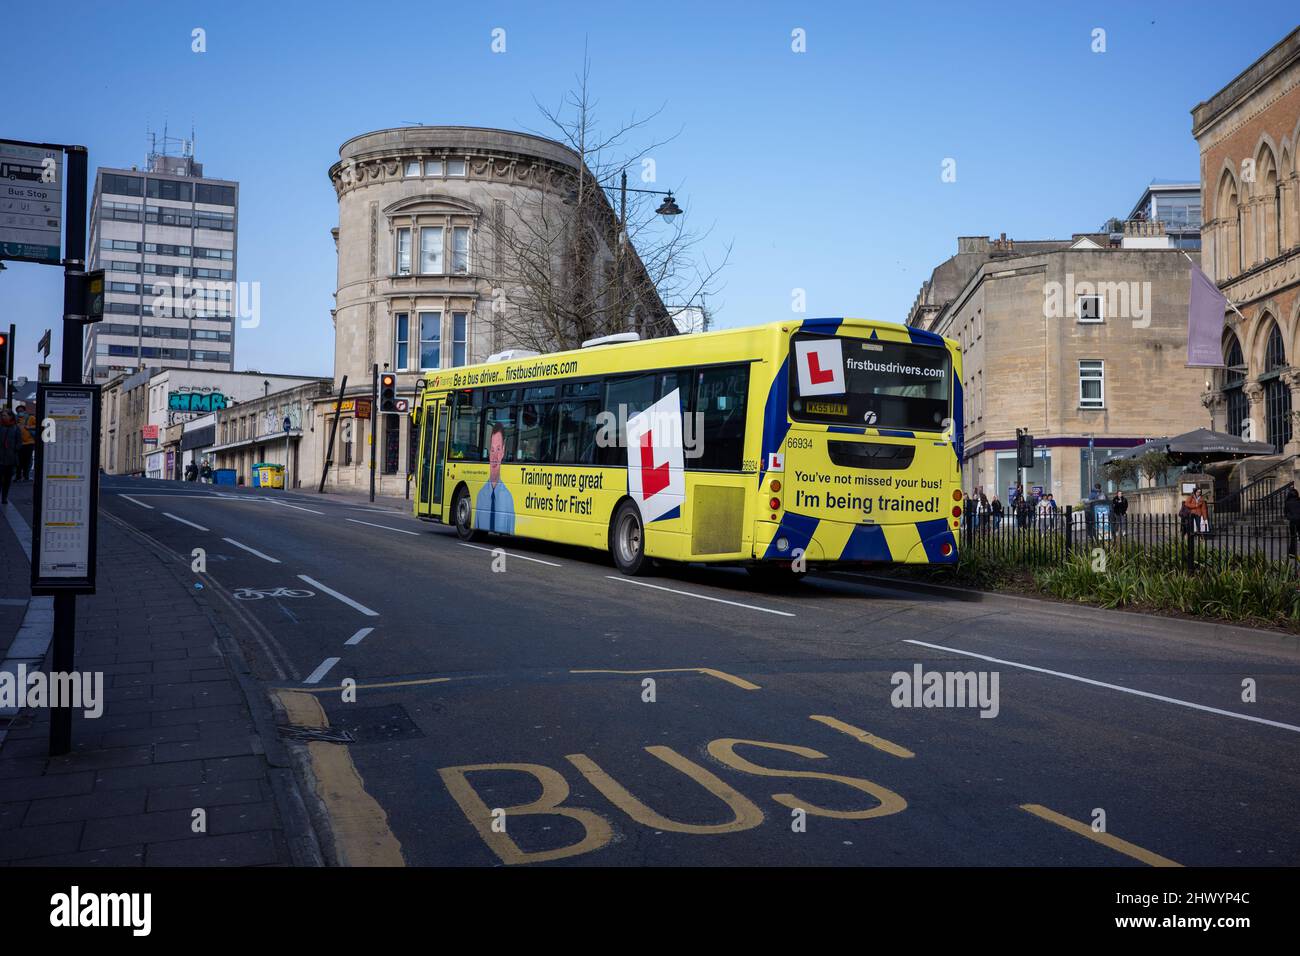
(462, 513)
(627, 539)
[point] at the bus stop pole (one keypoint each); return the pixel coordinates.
(74, 306)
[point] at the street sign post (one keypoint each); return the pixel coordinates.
(31, 202)
(288, 426)
(38, 202)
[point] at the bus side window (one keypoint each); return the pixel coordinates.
(576, 433)
(536, 432)
(506, 416)
(721, 397)
(465, 427)
(624, 398)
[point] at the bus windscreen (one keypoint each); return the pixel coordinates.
(838, 380)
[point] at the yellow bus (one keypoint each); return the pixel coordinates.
(800, 444)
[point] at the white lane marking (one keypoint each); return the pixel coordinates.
(357, 637)
(324, 668)
(283, 504)
(264, 557)
(141, 503)
(1098, 683)
(342, 597)
(183, 521)
(384, 526)
(702, 597)
(509, 554)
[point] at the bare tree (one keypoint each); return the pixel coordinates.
(565, 273)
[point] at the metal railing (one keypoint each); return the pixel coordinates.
(1261, 499)
(1045, 540)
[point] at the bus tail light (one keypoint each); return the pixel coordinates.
(774, 504)
(956, 494)
(775, 485)
(956, 511)
(945, 549)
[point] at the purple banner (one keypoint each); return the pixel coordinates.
(1205, 322)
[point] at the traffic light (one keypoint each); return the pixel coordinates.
(387, 392)
(1024, 449)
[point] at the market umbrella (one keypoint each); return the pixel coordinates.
(1202, 444)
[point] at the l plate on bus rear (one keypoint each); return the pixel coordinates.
(775, 461)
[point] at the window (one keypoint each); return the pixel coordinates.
(536, 429)
(1092, 390)
(403, 335)
(412, 167)
(404, 252)
(576, 430)
(214, 195)
(171, 189)
(431, 250)
(433, 167)
(455, 167)
(624, 398)
(430, 340)
(121, 185)
(392, 443)
(720, 399)
(1088, 308)
(459, 327)
(467, 417)
(460, 250)
(501, 418)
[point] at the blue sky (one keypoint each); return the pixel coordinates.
(821, 168)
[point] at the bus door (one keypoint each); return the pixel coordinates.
(433, 448)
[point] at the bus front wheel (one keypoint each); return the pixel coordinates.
(627, 539)
(462, 512)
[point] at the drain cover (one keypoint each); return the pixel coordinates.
(376, 724)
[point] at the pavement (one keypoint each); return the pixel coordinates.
(512, 702)
(184, 767)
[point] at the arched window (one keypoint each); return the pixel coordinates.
(1234, 377)
(1277, 395)
(1228, 241)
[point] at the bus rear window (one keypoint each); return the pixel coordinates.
(869, 382)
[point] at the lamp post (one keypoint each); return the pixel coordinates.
(667, 209)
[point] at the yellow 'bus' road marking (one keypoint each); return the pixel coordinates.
(395, 683)
(359, 824)
(880, 743)
(1105, 839)
(711, 672)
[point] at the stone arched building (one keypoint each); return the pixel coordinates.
(433, 221)
(1247, 134)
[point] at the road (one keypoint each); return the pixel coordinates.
(522, 703)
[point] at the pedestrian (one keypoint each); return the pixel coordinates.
(1119, 510)
(27, 429)
(11, 444)
(1291, 510)
(206, 472)
(1195, 513)
(995, 509)
(1096, 493)
(191, 472)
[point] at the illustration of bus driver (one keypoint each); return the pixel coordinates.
(495, 508)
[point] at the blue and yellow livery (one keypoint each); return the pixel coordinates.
(804, 444)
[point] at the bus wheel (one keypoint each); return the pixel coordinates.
(627, 539)
(462, 512)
